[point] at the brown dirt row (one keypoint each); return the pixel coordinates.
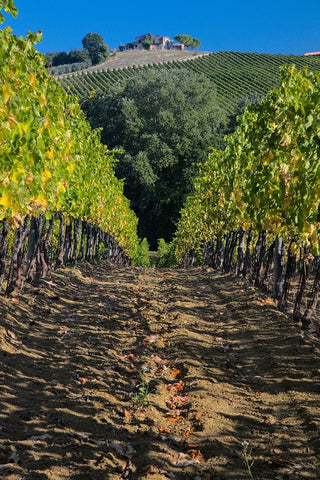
(154, 374)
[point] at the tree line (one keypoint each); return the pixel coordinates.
(94, 51)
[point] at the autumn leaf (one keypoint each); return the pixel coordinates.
(179, 398)
(157, 359)
(82, 380)
(127, 414)
(176, 387)
(164, 430)
(195, 454)
(267, 300)
(173, 419)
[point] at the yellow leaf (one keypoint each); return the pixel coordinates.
(17, 173)
(33, 81)
(42, 100)
(6, 200)
(6, 90)
(46, 174)
(71, 167)
(41, 201)
(49, 154)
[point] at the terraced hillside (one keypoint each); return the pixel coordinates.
(235, 74)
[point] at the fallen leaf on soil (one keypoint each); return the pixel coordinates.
(157, 359)
(179, 398)
(130, 356)
(173, 413)
(198, 414)
(176, 387)
(195, 454)
(187, 432)
(164, 430)
(267, 300)
(218, 339)
(82, 380)
(127, 414)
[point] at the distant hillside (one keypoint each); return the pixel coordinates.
(235, 74)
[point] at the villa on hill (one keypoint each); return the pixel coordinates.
(158, 42)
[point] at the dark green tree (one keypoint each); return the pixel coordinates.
(98, 50)
(147, 41)
(165, 121)
(188, 41)
(77, 56)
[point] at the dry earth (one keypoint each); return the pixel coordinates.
(145, 57)
(154, 374)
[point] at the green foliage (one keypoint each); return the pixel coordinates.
(188, 41)
(142, 258)
(164, 122)
(247, 458)
(97, 49)
(68, 62)
(51, 160)
(69, 68)
(9, 7)
(235, 75)
(268, 177)
(78, 55)
(147, 41)
(166, 254)
(141, 397)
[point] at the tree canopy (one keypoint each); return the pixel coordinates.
(98, 50)
(147, 41)
(165, 122)
(188, 41)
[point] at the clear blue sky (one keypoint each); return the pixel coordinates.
(281, 26)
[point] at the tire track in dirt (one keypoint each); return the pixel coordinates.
(154, 374)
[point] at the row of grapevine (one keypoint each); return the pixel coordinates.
(264, 186)
(52, 165)
(235, 74)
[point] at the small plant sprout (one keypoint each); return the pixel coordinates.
(141, 397)
(247, 458)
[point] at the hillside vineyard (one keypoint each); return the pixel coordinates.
(235, 74)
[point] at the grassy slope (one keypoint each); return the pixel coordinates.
(235, 73)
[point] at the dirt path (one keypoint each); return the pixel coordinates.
(154, 374)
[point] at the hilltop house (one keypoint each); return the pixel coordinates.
(158, 42)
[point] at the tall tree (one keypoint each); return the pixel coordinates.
(147, 41)
(165, 122)
(98, 50)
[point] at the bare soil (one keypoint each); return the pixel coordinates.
(109, 373)
(145, 57)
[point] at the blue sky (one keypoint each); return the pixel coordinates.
(247, 26)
